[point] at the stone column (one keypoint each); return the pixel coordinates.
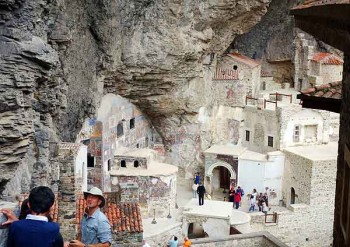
(67, 198)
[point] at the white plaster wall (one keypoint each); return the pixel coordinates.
(331, 73)
(81, 166)
(251, 175)
(302, 118)
(217, 228)
(273, 176)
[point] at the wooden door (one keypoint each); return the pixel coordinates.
(224, 178)
(345, 204)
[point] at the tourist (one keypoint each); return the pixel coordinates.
(252, 203)
(260, 201)
(266, 199)
(25, 210)
(231, 195)
(237, 199)
(240, 190)
(196, 178)
(187, 242)
(201, 192)
(145, 244)
(42, 232)
(95, 227)
(173, 242)
(194, 189)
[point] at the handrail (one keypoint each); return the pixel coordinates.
(282, 94)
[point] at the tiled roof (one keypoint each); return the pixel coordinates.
(244, 59)
(225, 74)
(311, 3)
(329, 90)
(54, 209)
(123, 217)
(327, 58)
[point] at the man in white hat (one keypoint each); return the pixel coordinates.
(95, 227)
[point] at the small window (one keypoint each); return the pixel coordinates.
(136, 163)
(137, 145)
(132, 123)
(264, 85)
(270, 141)
(296, 136)
(120, 130)
(122, 163)
(247, 135)
(109, 165)
(235, 67)
(90, 160)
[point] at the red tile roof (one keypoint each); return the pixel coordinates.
(123, 217)
(327, 58)
(54, 209)
(225, 74)
(329, 90)
(244, 59)
(311, 3)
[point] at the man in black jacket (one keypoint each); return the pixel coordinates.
(201, 193)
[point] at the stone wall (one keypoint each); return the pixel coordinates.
(261, 124)
(314, 184)
(153, 193)
(298, 175)
(258, 239)
(162, 238)
(67, 198)
(127, 239)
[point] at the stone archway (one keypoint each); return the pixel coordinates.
(210, 182)
(209, 172)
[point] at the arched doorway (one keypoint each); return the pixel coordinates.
(292, 196)
(220, 176)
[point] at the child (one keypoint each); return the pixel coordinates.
(252, 203)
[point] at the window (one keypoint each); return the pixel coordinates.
(345, 206)
(247, 135)
(120, 130)
(296, 136)
(235, 67)
(132, 123)
(264, 85)
(270, 141)
(109, 165)
(137, 145)
(136, 163)
(90, 160)
(122, 163)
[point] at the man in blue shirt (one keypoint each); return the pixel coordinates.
(95, 227)
(173, 242)
(35, 230)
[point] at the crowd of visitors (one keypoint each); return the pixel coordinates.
(260, 200)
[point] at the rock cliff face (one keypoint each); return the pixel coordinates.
(58, 57)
